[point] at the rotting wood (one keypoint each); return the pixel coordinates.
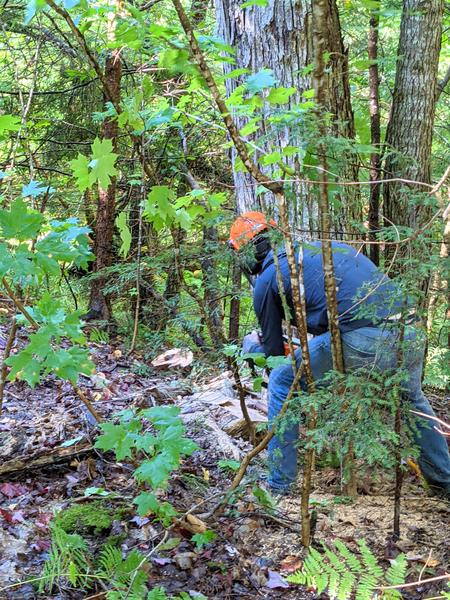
(52, 457)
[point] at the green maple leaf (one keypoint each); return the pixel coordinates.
(25, 367)
(115, 437)
(156, 471)
(102, 163)
(80, 169)
(146, 503)
(9, 123)
(163, 415)
(259, 81)
(69, 364)
(202, 539)
(280, 95)
(20, 222)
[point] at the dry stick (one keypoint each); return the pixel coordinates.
(298, 300)
(8, 348)
(287, 312)
(241, 392)
(259, 448)
(398, 430)
(19, 305)
(139, 256)
(320, 87)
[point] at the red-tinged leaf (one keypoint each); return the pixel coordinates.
(291, 564)
(41, 545)
(43, 521)
(12, 490)
(12, 517)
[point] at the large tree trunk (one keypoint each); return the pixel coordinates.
(278, 37)
(410, 129)
(99, 302)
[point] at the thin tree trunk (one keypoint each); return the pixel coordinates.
(410, 130)
(99, 302)
(235, 303)
(375, 134)
(322, 88)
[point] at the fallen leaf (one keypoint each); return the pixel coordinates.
(177, 357)
(12, 490)
(276, 581)
(194, 524)
(430, 562)
(12, 517)
(41, 545)
(291, 564)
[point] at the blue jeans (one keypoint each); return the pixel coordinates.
(367, 347)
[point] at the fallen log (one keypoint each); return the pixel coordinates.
(52, 457)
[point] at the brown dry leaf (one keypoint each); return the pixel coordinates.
(291, 564)
(194, 524)
(177, 357)
(430, 562)
(117, 353)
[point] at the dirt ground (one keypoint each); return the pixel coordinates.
(253, 550)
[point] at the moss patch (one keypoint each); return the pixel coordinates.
(89, 517)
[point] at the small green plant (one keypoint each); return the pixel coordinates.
(98, 336)
(343, 575)
(159, 452)
(126, 577)
(229, 465)
(68, 558)
(33, 249)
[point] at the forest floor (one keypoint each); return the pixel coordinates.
(255, 547)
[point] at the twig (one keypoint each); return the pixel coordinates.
(413, 583)
(19, 305)
(257, 449)
(7, 352)
(241, 393)
(434, 418)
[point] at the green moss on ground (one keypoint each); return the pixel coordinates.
(89, 517)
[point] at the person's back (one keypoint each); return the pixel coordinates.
(365, 296)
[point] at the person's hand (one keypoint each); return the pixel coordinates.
(250, 341)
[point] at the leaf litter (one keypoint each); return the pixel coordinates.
(253, 551)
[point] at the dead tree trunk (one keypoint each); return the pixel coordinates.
(410, 130)
(99, 302)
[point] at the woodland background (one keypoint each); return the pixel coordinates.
(128, 143)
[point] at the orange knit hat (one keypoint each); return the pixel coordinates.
(247, 226)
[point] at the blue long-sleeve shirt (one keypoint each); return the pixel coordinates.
(355, 276)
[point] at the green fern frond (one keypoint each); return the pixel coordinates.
(109, 560)
(343, 575)
(353, 562)
(396, 573)
(370, 560)
(68, 557)
(157, 594)
(298, 578)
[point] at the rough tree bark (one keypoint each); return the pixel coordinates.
(278, 37)
(410, 128)
(99, 302)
